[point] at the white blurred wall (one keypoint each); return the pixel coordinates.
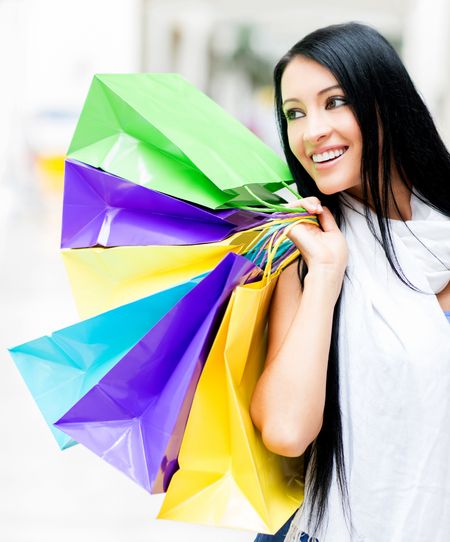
(66, 42)
(426, 53)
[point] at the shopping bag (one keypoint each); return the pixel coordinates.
(161, 132)
(104, 278)
(227, 477)
(100, 209)
(134, 417)
(59, 369)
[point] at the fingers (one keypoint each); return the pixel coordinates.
(327, 221)
(311, 204)
(294, 230)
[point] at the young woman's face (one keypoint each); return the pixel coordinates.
(322, 129)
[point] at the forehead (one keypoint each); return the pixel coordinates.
(303, 78)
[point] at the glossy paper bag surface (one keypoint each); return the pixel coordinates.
(59, 369)
(227, 477)
(104, 278)
(134, 418)
(159, 131)
(106, 210)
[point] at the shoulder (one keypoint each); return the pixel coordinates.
(288, 290)
(289, 281)
(285, 302)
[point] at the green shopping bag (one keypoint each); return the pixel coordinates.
(159, 131)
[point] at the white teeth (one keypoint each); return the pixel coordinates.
(324, 156)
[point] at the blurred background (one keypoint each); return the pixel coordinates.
(49, 51)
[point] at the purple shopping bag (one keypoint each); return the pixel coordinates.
(102, 209)
(135, 417)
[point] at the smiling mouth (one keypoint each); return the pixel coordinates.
(327, 157)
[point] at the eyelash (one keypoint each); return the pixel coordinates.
(289, 113)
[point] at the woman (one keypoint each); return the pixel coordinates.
(357, 373)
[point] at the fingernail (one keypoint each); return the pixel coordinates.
(319, 208)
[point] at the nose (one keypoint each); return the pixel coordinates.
(316, 129)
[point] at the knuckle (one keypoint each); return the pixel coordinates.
(311, 201)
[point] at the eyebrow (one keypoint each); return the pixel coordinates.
(318, 94)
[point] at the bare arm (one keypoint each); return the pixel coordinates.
(288, 402)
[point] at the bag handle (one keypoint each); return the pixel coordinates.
(271, 207)
(264, 229)
(274, 246)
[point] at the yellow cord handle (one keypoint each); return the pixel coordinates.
(262, 228)
(274, 246)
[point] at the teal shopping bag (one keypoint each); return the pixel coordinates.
(61, 368)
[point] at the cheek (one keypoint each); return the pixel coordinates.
(353, 131)
(358, 144)
(353, 135)
(295, 138)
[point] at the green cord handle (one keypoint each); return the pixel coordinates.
(255, 209)
(282, 209)
(270, 207)
(265, 203)
(291, 190)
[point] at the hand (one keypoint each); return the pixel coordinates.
(324, 248)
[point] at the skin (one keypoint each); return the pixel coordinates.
(318, 118)
(288, 401)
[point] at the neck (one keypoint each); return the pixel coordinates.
(399, 204)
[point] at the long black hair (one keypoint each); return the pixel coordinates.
(383, 99)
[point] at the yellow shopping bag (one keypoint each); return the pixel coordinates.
(105, 278)
(227, 477)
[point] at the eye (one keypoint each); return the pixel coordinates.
(335, 101)
(292, 114)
